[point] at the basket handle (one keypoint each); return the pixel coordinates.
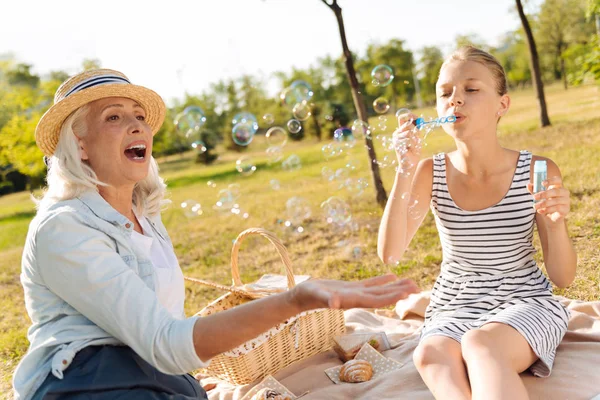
(283, 253)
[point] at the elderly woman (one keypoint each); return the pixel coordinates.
(102, 284)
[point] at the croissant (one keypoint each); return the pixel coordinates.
(355, 371)
(269, 394)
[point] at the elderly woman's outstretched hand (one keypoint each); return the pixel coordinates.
(374, 292)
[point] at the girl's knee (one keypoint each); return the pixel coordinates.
(428, 353)
(482, 346)
(476, 345)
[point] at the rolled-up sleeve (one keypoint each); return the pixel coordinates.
(81, 265)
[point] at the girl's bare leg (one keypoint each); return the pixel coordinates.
(439, 361)
(495, 354)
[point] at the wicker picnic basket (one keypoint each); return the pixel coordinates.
(300, 337)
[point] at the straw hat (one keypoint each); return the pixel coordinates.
(89, 86)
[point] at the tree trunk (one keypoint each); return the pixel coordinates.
(534, 64)
(359, 104)
(563, 72)
(317, 127)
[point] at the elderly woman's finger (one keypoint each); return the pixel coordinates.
(368, 300)
(379, 280)
(403, 285)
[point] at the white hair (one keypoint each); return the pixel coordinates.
(69, 176)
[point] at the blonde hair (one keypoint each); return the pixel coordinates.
(471, 53)
(69, 176)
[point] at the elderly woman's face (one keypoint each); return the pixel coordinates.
(118, 143)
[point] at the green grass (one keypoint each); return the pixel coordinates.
(203, 244)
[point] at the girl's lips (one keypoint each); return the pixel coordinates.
(460, 118)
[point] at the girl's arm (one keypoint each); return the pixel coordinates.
(398, 223)
(552, 208)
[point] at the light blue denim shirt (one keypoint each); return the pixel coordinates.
(86, 284)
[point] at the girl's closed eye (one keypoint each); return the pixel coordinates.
(472, 90)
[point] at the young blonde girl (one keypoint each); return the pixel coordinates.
(492, 314)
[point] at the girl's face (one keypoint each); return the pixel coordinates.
(118, 141)
(467, 89)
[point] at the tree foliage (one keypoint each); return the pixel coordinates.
(564, 29)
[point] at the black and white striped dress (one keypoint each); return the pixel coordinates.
(488, 273)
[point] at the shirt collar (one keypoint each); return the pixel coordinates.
(102, 209)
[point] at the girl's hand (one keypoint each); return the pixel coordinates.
(407, 142)
(554, 202)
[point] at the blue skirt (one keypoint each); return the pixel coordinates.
(116, 372)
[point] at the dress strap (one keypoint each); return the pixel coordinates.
(439, 187)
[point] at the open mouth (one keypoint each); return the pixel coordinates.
(136, 152)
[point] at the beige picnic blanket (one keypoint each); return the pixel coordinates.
(576, 372)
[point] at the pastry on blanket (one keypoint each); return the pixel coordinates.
(355, 371)
(269, 394)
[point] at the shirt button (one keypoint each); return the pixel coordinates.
(64, 362)
(128, 225)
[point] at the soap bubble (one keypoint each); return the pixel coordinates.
(344, 135)
(298, 210)
(327, 173)
(191, 208)
(234, 189)
(191, 119)
(301, 111)
(403, 115)
(386, 161)
(188, 124)
(199, 146)
(242, 133)
(268, 119)
(382, 122)
(275, 185)
(291, 163)
(275, 154)
(381, 105)
(302, 89)
(413, 205)
(341, 174)
(245, 166)
(336, 211)
(382, 75)
(211, 184)
(356, 187)
(225, 200)
(294, 126)
(276, 136)
(332, 149)
(288, 97)
(352, 164)
(235, 210)
(244, 117)
(297, 92)
(360, 129)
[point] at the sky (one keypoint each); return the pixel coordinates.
(176, 46)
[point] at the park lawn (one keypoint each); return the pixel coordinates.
(203, 244)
